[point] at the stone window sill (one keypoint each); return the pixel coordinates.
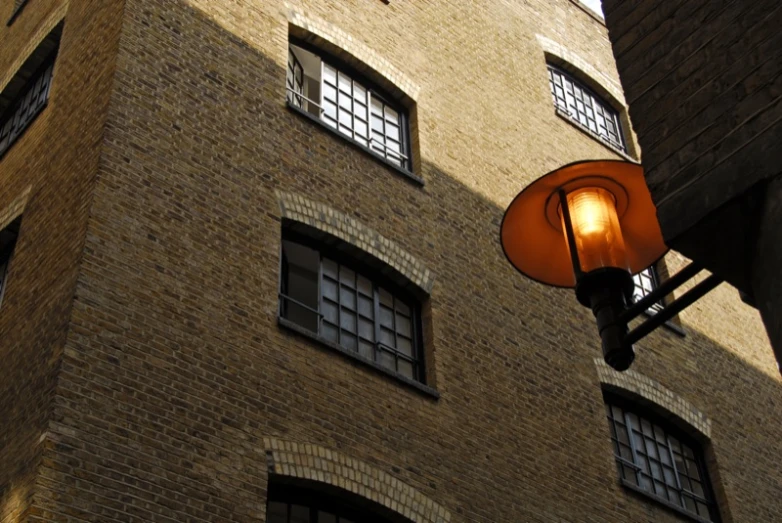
(575, 123)
(417, 386)
(665, 503)
(404, 172)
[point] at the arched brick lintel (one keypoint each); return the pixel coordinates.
(604, 85)
(326, 219)
(316, 463)
(341, 43)
(652, 391)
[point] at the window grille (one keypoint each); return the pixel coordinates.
(654, 459)
(645, 282)
(347, 307)
(347, 104)
(585, 107)
(30, 101)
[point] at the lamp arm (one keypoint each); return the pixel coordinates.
(660, 292)
(671, 309)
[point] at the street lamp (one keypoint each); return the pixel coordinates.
(591, 225)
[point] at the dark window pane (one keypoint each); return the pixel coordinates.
(300, 514)
(299, 300)
(277, 512)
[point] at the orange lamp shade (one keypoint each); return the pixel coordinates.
(596, 229)
(613, 216)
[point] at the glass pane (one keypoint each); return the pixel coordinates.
(329, 112)
(670, 479)
(629, 474)
(347, 298)
(346, 103)
(329, 332)
(665, 455)
(703, 510)
(329, 93)
(403, 308)
(622, 435)
(377, 107)
(697, 488)
(277, 512)
(366, 329)
(626, 453)
(689, 504)
(386, 298)
(359, 92)
(404, 346)
(347, 321)
(300, 514)
(674, 497)
(349, 341)
(366, 307)
(646, 427)
(361, 128)
(387, 360)
(345, 83)
(377, 125)
(365, 286)
(386, 317)
(392, 116)
(366, 349)
(656, 472)
(329, 74)
(405, 368)
(392, 132)
(386, 337)
(651, 448)
(403, 326)
(347, 277)
(692, 469)
(329, 289)
(324, 517)
(329, 311)
(345, 118)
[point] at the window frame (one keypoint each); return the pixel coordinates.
(406, 164)
(621, 146)
(320, 497)
(331, 250)
(654, 277)
(652, 415)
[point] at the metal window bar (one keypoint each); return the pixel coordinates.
(294, 79)
(585, 107)
(347, 119)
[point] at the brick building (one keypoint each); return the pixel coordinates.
(251, 273)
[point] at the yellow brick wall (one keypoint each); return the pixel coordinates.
(176, 375)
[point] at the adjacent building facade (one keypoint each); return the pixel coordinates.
(251, 272)
(703, 81)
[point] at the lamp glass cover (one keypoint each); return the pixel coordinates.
(596, 229)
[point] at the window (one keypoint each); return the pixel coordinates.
(288, 504)
(344, 101)
(585, 107)
(645, 282)
(7, 243)
(27, 93)
(348, 307)
(659, 461)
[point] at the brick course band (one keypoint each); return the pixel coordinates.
(328, 220)
(652, 391)
(353, 47)
(313, 462)
(34, 41)
(563, 53)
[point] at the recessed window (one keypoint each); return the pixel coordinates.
(656, 459)
(27, 93)
(293, 504)
(344, 304)
(8, 238)
(585, 107)
(645, 282)
(347, 103)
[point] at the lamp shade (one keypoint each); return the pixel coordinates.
(533, 238)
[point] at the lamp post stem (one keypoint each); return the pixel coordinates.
(571, 237)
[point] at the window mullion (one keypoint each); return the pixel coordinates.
(376, 298)
(631, 439)
(675, 470)
(320, 292)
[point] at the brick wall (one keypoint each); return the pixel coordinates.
(47, 176)
(176, 378)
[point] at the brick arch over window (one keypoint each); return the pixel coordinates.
(323, 218)
(316, 463)
(649, 390)
(366, 60)
(569, 60)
